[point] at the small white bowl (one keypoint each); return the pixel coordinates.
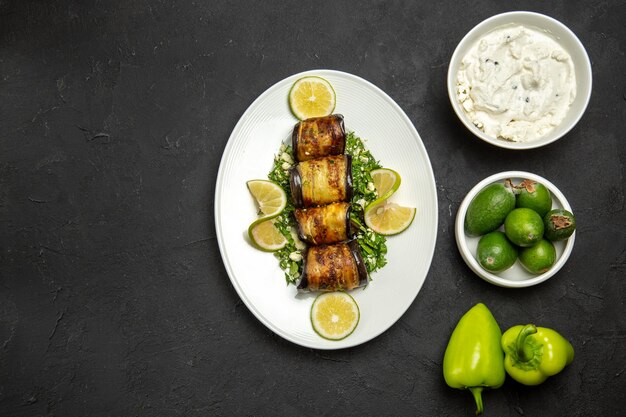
(565, 37)
(516, 276)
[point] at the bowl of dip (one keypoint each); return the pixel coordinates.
(516, 276)
(520, 80)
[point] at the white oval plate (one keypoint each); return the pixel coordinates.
(516, 276)
(249, 154)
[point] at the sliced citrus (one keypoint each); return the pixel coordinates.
(265, 236)
(311, 96)
(270, 197)
(335, 315)
(388, 218)
(386, 181)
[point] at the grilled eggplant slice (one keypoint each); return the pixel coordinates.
(325, 224)
(319, 136)
(333, 268)
(321, 181)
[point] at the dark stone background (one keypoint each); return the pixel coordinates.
(113, 297)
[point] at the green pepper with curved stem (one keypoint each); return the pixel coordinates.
(473, 358)
(532, 354)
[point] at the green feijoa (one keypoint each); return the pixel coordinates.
(539, 258)
(523, 227)
(488, 209)
(559, 224)
(495, 252)
(535, 196)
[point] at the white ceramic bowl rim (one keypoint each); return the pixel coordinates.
(469, 257)
(568, 40)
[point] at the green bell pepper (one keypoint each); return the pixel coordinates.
(473, 359)
(532, 354)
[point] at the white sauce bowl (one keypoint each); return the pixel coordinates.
(516, 276)
(559, 32)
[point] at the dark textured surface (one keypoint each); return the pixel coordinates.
(113, 297)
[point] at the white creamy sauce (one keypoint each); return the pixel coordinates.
(516, 83)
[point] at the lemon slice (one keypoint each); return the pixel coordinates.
(311, 96)
(334, 315)
(388, 218)
(386, 181)
(265, 236)
(270, 197)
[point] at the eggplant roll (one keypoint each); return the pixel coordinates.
(322, 181)
(325, 224)
(333, 268)
(319, 136)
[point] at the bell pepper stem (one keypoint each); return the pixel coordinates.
(476, 392)
(522, 347)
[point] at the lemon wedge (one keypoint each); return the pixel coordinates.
(386, 181)
(311, 96)
(270, 197)
(388, 218)
(335, 315)
(265, 236)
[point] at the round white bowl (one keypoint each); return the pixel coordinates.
(516, 276)
(565, 37)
